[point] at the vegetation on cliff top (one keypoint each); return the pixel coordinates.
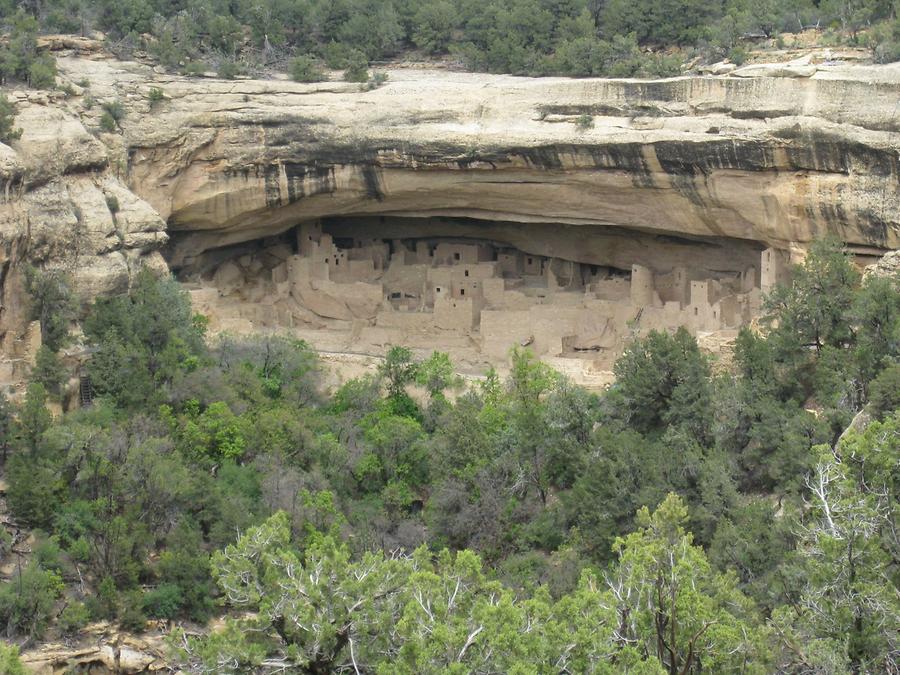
(537, 37)
(682, 521)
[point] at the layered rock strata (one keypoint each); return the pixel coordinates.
(702, 173)
(778, 160)
(64, 205)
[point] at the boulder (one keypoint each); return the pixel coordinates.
(229, 278)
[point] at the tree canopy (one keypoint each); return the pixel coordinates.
(686, 520)
(619, 38)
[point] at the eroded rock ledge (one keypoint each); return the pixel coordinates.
(702, 173)
(772, 159)
(63, 204)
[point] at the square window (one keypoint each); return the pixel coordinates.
(530, 261)
(456, 256)
(462, 291)
(467, 272)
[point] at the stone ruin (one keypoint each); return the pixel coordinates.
(473, 298)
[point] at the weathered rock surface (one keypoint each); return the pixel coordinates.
(63, 205)
(768, 157)
(100, 649)
(887, 266)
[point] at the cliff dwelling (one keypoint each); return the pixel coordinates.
(337, 215)
(572, 294)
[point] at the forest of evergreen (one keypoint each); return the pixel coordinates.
(690, 519)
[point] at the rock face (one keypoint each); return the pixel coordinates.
(888, 266)
(62, 205)
(778, 160)
(100, 649)
(616, 173)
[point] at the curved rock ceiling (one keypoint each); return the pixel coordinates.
(691, 171)
(776, 160)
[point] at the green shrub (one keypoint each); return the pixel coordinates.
(377, 80)
(584, 122)
(26, 604)
(155, 95)
(103, 604)
(433, 26)
(163, 602)
(357, 68)
(887, 52)
(337, 55)
(228, 70)
(42, 73)
(80, 550)
(47, 553)
(305, 69)
(107, 123)
(53, 303)
(831, 38)
(32, 496)
(396, 498)
(113, 113)
(185, 565)
(112, 203)
(131, 613)
(84, 83)
(884, 41)
(8, 132)
(6, 541)
(10, 664)
(738, 56)
(194, 69)
(73, 618)
(49, 371)
(18, 53)
(884, 392)
(115, 109)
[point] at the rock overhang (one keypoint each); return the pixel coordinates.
(610, 173)
(776, 160)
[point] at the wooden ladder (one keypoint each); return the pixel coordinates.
(85, 390)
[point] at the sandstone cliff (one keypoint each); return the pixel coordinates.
(603, 168)
(63, 205)
(780, 160)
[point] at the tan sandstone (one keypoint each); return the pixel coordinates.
(699, 173)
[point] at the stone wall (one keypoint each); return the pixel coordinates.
(438, 290)
(687, 179)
